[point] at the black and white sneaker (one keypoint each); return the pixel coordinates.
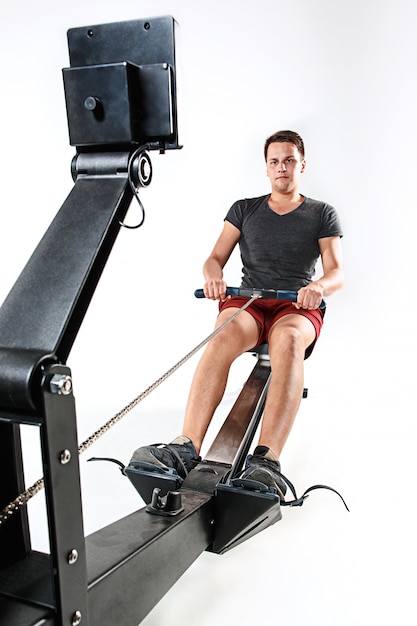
(264, 470)
(179, 456)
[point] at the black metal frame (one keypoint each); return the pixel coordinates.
(39, 321)
(119, 573)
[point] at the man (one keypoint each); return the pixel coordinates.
(281, 236)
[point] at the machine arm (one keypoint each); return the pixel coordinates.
(40, 318)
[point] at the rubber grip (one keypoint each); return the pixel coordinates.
(230, 291)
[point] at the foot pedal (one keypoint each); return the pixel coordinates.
(147, 477)
(145, 480)
(243, 508)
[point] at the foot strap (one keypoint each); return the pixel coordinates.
(299, 501)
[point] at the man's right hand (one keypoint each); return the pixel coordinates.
(215, 289)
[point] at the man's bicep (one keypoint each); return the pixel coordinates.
(225, 244)
(331, 253)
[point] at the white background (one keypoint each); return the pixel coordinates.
(343, 74)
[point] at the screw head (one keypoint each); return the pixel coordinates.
(73, 556)
(61, 384)
(76, 618)
(90, 103)
(65, 457)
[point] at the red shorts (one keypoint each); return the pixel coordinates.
(267, 311)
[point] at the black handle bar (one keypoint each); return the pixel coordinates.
(266, 294)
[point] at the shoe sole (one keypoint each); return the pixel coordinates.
(147, 457)
(265, 477)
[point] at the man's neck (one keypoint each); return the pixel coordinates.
(282, 203)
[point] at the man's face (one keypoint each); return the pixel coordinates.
(284, 165)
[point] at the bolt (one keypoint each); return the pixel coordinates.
(90, 103)
(65, 457)
(76, 618)
(61, 384)
(73, 557)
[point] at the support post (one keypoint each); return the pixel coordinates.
(63, 497)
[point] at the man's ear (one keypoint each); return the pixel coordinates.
(303, 165)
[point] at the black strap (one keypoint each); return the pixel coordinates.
(106, 458)
(178, 457)
(299, 501)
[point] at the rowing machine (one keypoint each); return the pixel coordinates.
(242, 508)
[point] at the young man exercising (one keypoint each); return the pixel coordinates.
(281, 236)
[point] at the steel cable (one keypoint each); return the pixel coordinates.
(23, 498)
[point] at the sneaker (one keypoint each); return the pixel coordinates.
(179, 456)
(261, 467)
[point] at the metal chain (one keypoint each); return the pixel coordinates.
(26, 495)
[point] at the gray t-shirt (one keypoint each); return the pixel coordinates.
(281, 251)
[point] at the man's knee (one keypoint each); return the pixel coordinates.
(287, 337)
(291, 339)
(240, 334)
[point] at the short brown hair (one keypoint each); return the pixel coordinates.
(283, 136)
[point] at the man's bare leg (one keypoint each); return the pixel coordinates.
(210, 378)
(288, 339)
